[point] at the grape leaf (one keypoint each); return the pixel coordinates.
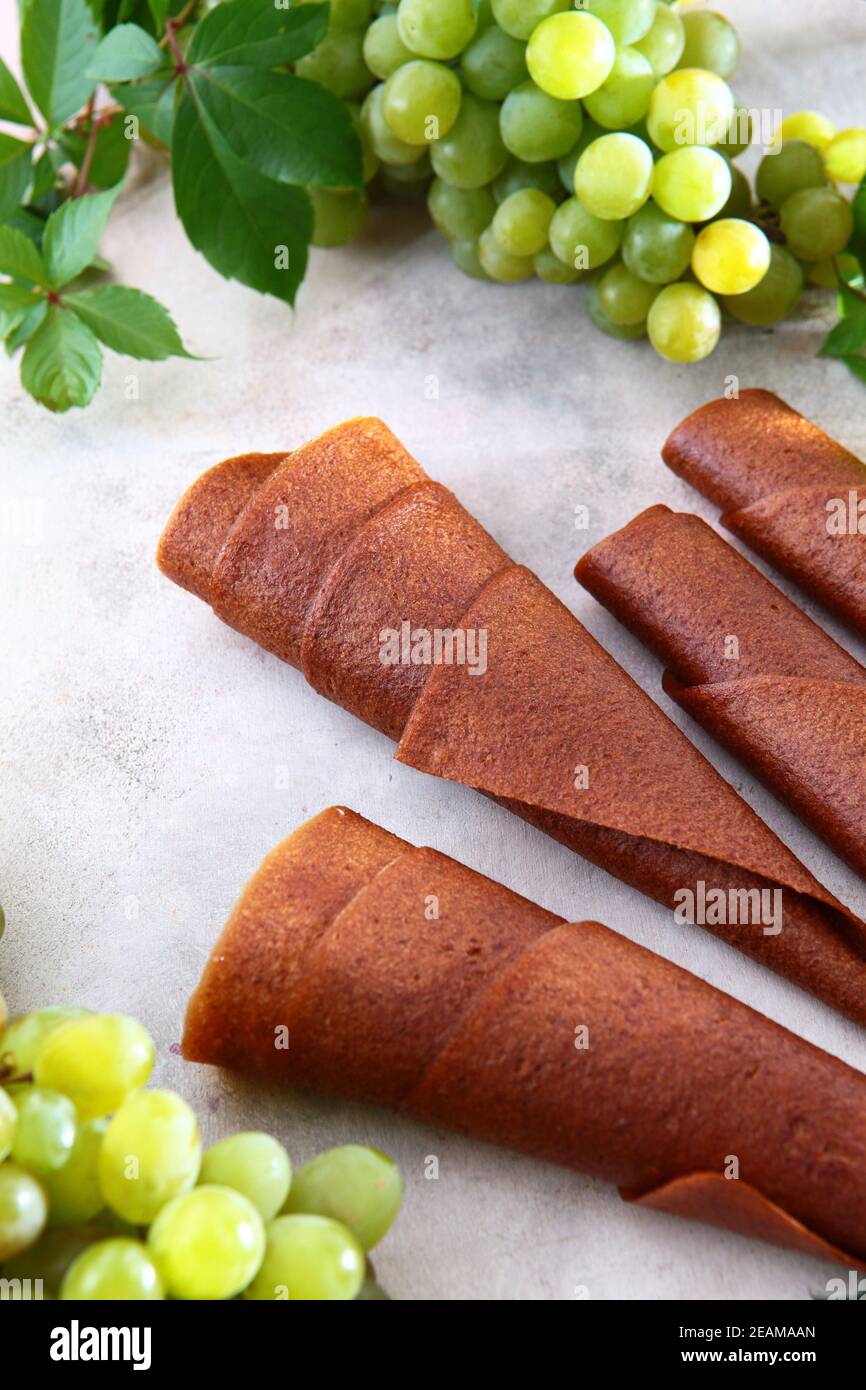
(20, 258)
(159, 11)
(128, 321)
(58, 38)
(62, 363)
(45, 172)
(245, 224)
(13, 107)
(72, 235)
(27, 327)
(125, 53)
(16, 302)
(849, 334)
(256, 34)
(289, 129)
(111, 152)
(152, 102)
(15, 173)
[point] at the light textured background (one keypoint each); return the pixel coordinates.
(152, 756)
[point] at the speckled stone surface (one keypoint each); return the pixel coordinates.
(151, 756)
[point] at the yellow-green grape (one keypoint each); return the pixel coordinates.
(45, 1132)
(739, 203)
(684, 323)
(810, 126)
(656, 247)
(537, 127)
(382, 140)
(96, 1061)
(256, 1165)
(464, 254)
(407, 181)
(522, 222)
(624, 96)
(421, 101)
(845, 156)
(356, 1185)
(308, 1258)
(499, 264)
(519, 17)
(826, 274)
(73, 1190)
(150, 1153)
(472, 153)
(4, 1012)
(663, 43)
(207, 1244)
(624, 298)
(614, 176)
(369, 158)
(8, 1121)
(493, 63)
(24, 1036)
(774, 297)
(338, 64)
(692, 184)
(553, 271)
(383, 49)
(786, 170)
(344, 14)
(689, 107)
(461, 214)
(117, 1270)
(731, 256)
(518, 174)
(738, 136)
(23, 1210)
(600, 319)
(817, 223)
(711, 42)
(570, 55)
(581, 240)
(627, 20)
(436, 28)
(568, 163)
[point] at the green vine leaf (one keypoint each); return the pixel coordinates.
(110, 156)
(58, 38)
(128, 321)
(13, 106)
(16, 302)
(62, 363)
(152, 102)
(849, 334)
(15, 173)
(27, 327)
(72, 235)
(257, 34)
(20, 257)
(125, 53)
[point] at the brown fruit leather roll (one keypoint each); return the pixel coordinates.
(787, 699)
(774, 474)
(361, 966)
(347, 539)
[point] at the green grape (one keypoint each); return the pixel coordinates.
(570, 55)
(601, 320)
(499, 264)
(344, 14)
(550, 268)
(493, 63)
(73, 1189)
(692, 184)
(810, 126)
(371, 1293)
(381, 139)
(624, 97)
(663, 43)
(45, 1132)
(517, 174)
(207, 1244)
(827, 274)
(421, 101)
(739, 202)
(119, 1270)
(150, 1153)
(711, 42)
(845, 156)
(775, 297)
(409, 182)
(23, 1210)
(96, 1061)
(369, 159)
(8, 1121)
(461, 214)
(50, 1257)
(731, 256)
(383, 49)
(568, 163)
(684, 323)
(738, 136)
(308, 1258)
(519, 17)
(472, 153)
(656, 247)
(338, 64)
(484, 16)
(581, 240)
(790, 168)
(356, 1185)
(689, 107)
(464, 254)
(614, 176)
(522, 222)
(24, 1035)
(538, 127)
(627, 20)
(436, 28)
(817, 223)
(256, 1165)
(623, 297)
(338, 215)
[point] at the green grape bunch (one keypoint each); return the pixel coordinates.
(597, 142)
(106, 1193)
